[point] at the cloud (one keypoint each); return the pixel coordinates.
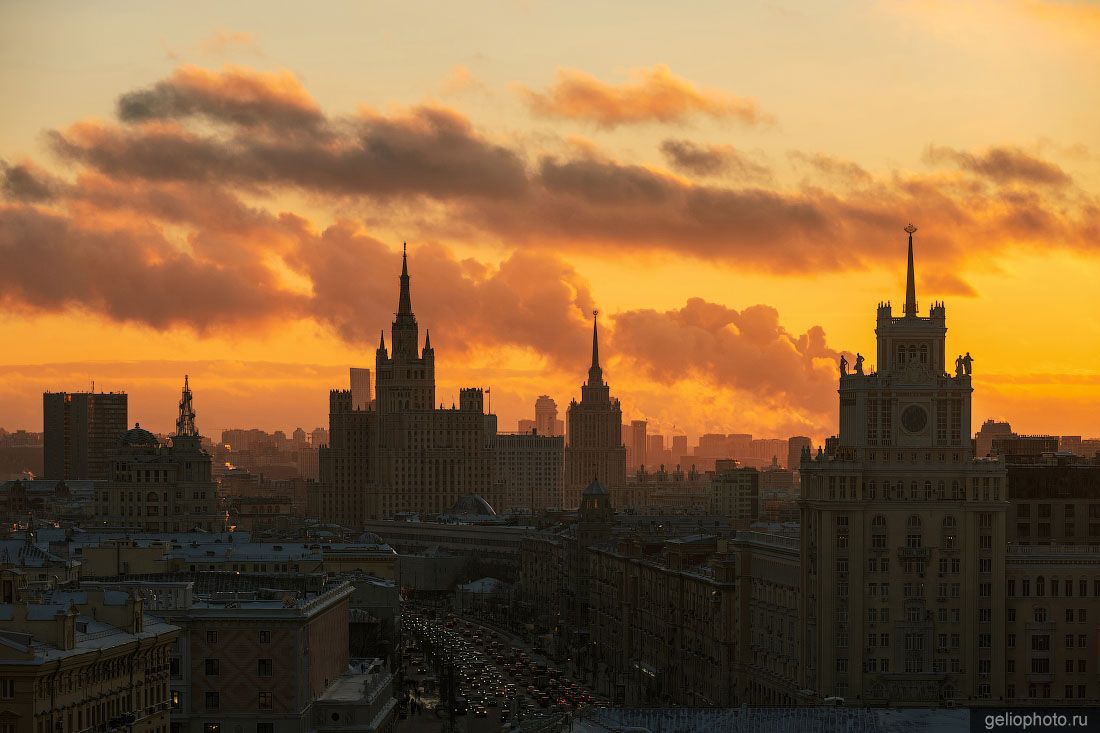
(127, 273)
(1002, 165)
(831, 168)
(429, 150)
(745, 351)
(712, 160)
(224, 41)
(653, 95)
(460, 80)
(27, 182)
(235, 95)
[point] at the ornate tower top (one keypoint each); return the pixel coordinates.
(910, 279)
(595, 373)
(185, 423)
(404, 301)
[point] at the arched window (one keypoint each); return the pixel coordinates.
(870, 489)
(941, 490)
(914, 492)
(1040, 586)
(901, 353)
(151, 496)
(912, 352)
(927, 490)
(924, 353)
(913, 536)
(956, 491)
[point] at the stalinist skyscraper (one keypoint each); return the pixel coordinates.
(903, 530)
(595, 451)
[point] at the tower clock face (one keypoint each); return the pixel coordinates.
(914, 418)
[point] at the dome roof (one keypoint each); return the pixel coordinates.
(138, 437)
(473, 504)
(370, 538)
(595, 489)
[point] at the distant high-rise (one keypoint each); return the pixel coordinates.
(638, 442)
(983, 439)
(595, 450)
(794, 450)
(360, 388)
(679, 449)
(318, 437)
(81, 432)
(546, 416)
(528, 471)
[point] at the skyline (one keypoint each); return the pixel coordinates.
(717, 209)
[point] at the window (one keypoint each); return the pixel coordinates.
(265, 668)
(265, 700)
(211, 636)
(265, 637)
(265, 728)
(212, 701)
(212, 667)
(913, 532)
(7, 689)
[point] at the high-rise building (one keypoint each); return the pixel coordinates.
(734, 492)
(360, 388)
(527, 426)
(638, 442)
(595, 449)
(158, 488)
(983, 439)
(795, 446)
(903, 531)
(318, 437)
(546, 416)
(402, 454)
(679, 449)
(528, 472)
(81, 430)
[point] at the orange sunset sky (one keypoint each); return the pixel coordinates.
(222, 189)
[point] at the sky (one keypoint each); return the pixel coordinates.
(223, 190)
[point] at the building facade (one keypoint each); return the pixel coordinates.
(903, 531)
(81, 660)
(80, 432)
(594, 451)
(528, 472)
(158, 488)
(403, 454)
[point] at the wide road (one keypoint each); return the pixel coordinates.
(494, 671)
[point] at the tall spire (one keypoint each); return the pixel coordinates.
(595, 373)
(910, 279)
(185, 423)
(428, 340)
(382, 340)
(404, 302)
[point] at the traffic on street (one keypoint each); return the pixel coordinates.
(483, 678)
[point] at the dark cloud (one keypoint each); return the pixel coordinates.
(28, 183)
(712, 160)
(431, 151)
(1002, 165)
(126, 273)
(235, 95)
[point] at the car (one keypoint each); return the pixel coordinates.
(421, 670)
(492, 702)
(480, 712)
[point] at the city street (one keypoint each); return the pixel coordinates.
(497, 678)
